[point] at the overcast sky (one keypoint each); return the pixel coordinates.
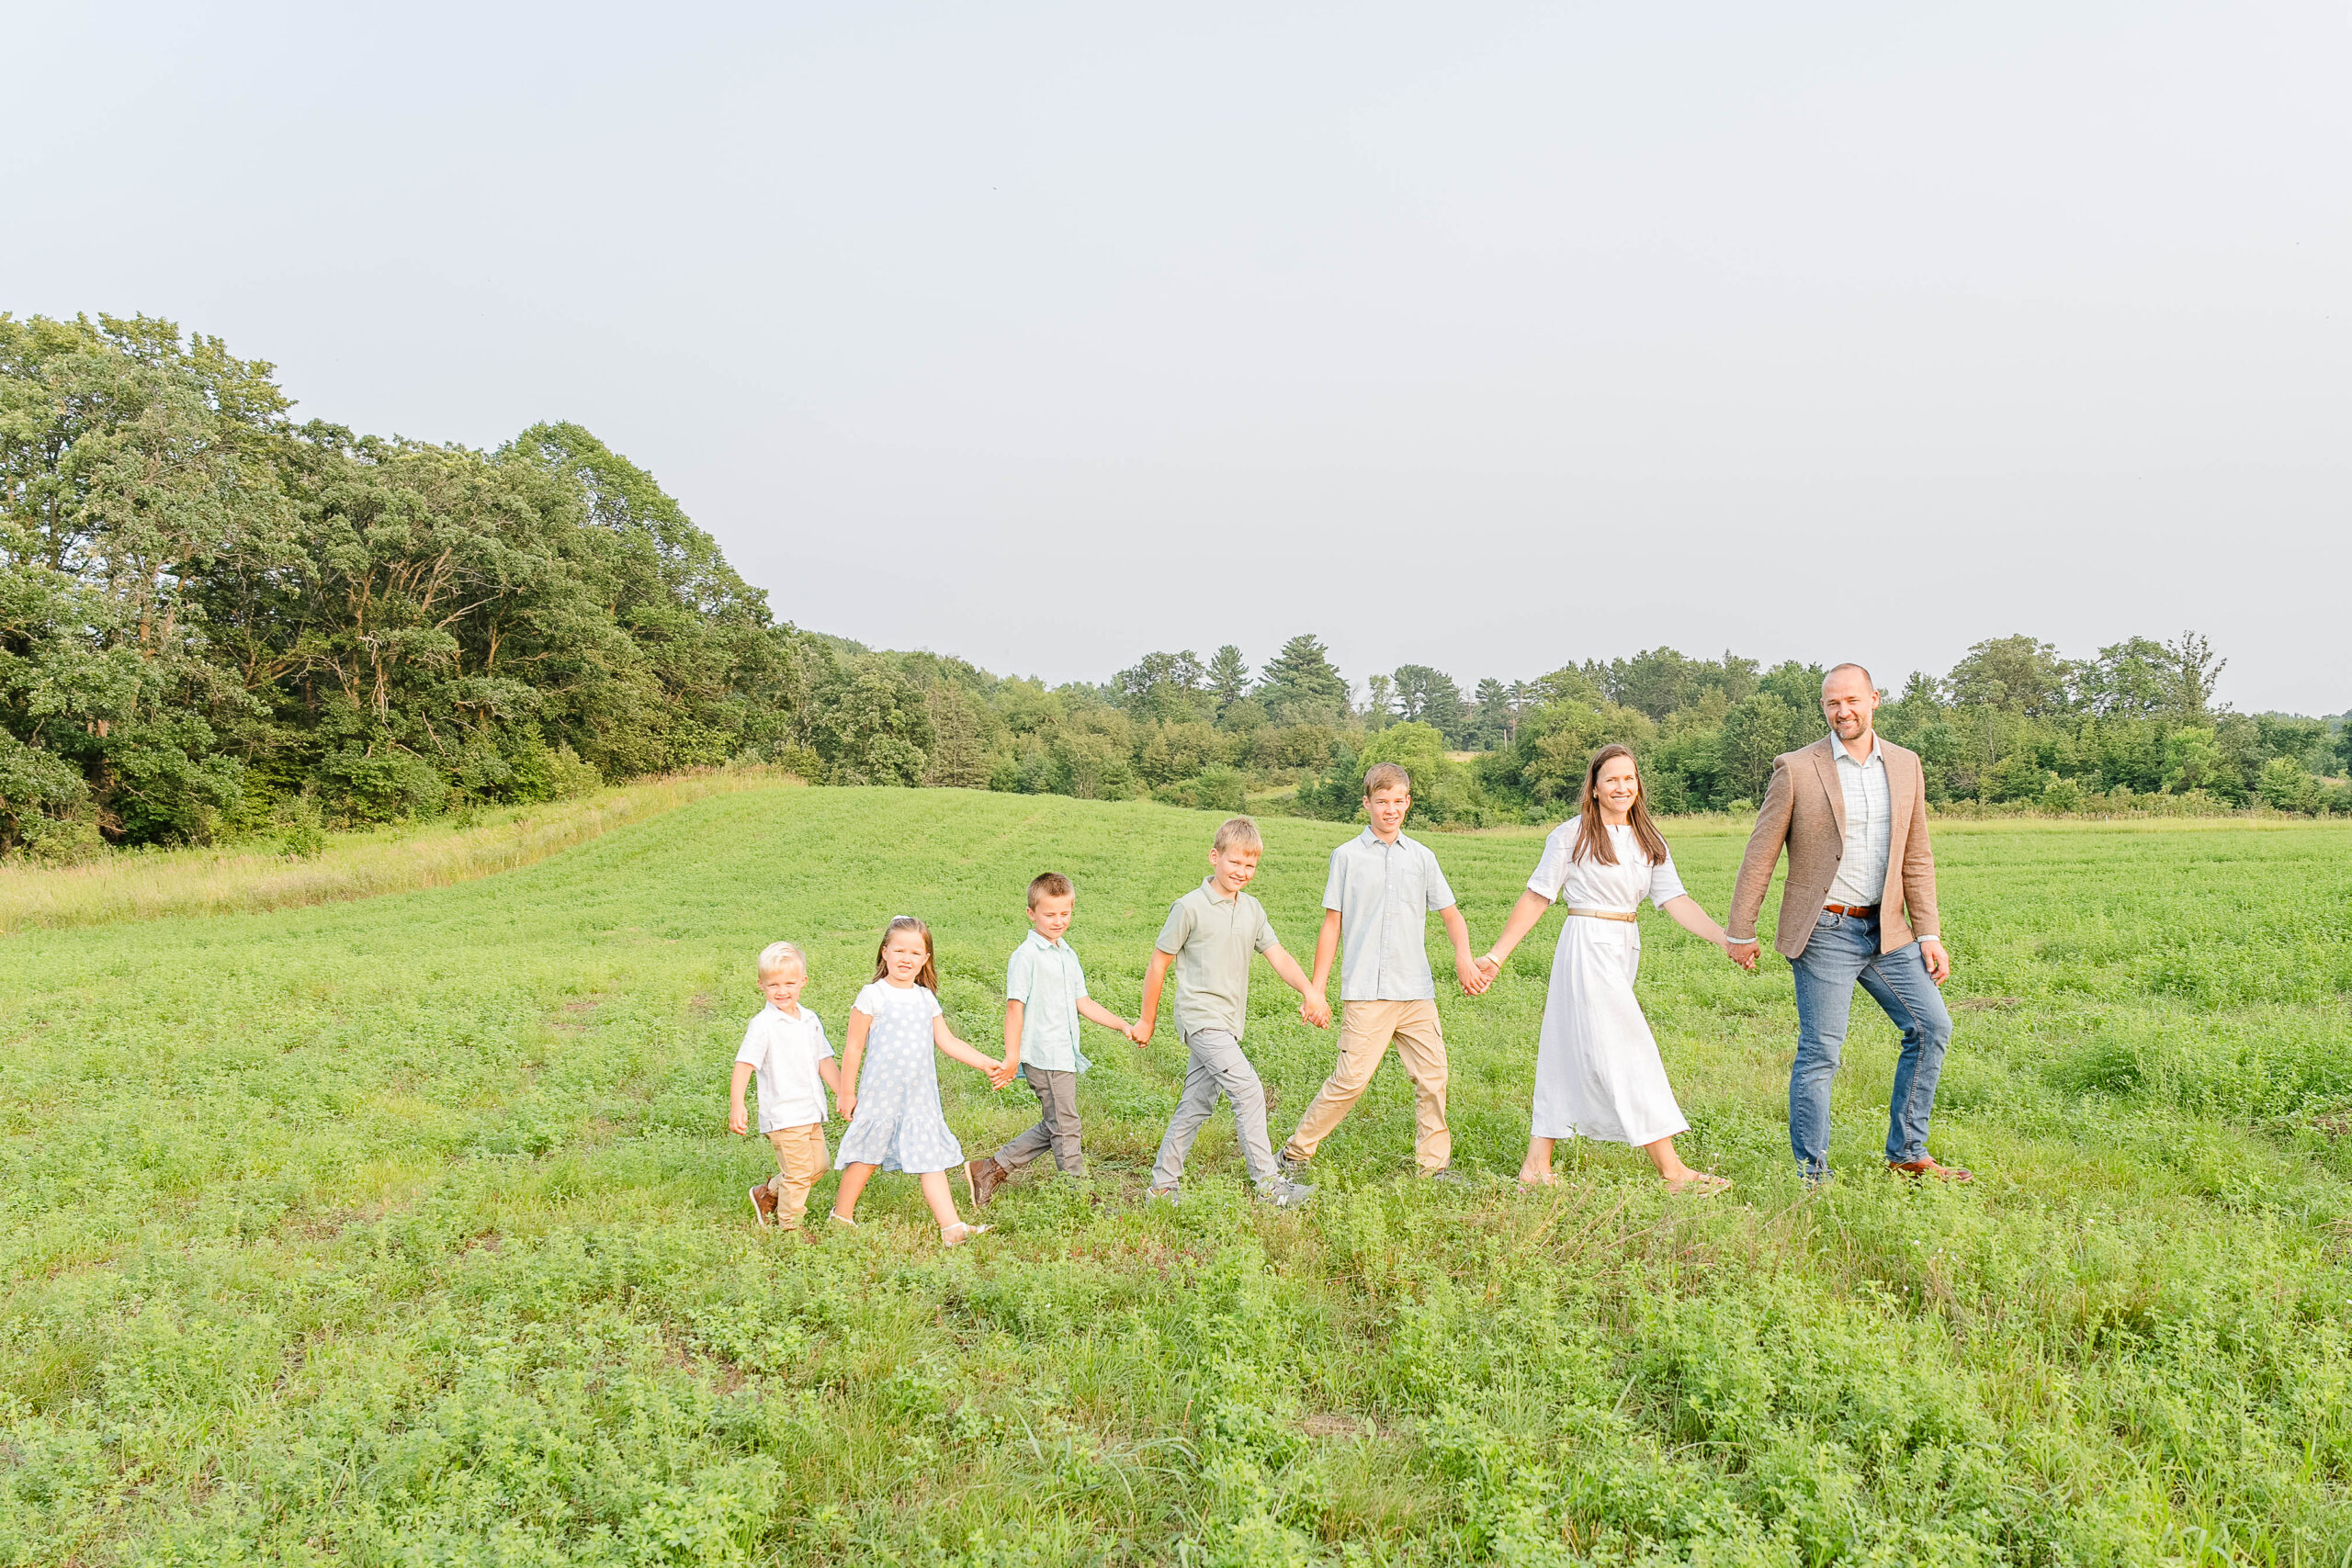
(1487, 337)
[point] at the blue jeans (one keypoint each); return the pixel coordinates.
(1844, 949)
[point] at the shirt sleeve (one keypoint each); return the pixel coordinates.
(1265, 937)
(754, 1050)
(865, 1002)
(1552, 867)
(1177, 927)
(931, 1003)
(1437, 892)
(1335, 886)
(1020, 976)
(1665, 886)
(822, 1046)
(1077, 976)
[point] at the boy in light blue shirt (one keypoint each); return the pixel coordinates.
(1045, 996)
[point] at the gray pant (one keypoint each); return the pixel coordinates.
(1217, 1067)
(1056, 1124)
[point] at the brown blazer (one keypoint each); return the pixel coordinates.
(1804, 808)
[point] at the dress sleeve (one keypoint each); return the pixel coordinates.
(754, 1050)
(1665, 886)
(865, 1002)
(1178, 926)
(931, 1003)
(1552, 868)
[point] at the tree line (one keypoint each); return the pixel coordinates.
(217, 621)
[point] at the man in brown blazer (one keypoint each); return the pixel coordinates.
(1859, 905)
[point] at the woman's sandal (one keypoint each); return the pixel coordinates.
(1700, 1183)
(1547, 1179)
(959, 1233)
(838, 1220)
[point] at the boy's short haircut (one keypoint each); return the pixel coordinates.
(1238, 832)
(1386, 775)
(1049, 884)
(778, 955)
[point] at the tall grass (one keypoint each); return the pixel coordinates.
(247, 877)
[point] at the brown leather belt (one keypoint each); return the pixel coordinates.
(1859, 911)
(1602, 915)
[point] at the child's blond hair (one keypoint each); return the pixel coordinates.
(777, 956)
(1238, 832)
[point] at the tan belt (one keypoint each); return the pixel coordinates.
(1602, 915)
(1857, 911)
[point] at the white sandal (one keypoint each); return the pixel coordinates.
(963, 1233)
(838, 1221)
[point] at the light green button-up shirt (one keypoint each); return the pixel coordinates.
(1212, 938)
(1047, 979)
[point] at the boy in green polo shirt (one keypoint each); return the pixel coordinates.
(1210, 934)
(1045, 996)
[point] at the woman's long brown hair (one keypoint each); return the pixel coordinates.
(1592, 833)
(928, 976)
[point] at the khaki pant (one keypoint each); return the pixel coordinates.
(800, 1159)
(1056, 1127)
(1365, 1029)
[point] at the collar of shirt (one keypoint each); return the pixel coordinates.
(1839, 747)
(1039, 939)
(1373, 838)
(1208, 885)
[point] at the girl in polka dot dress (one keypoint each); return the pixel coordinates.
(890, 1085)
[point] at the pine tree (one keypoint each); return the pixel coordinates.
(1302, 681)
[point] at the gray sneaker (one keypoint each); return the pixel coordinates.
(1285, 1194)
(1168, 1195)
(1290, 1166)
(1446, 1174)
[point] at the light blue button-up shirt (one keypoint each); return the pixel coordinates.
(1386, 895)
(1869, 826)
(1045, 978)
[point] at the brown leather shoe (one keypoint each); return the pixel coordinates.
(1916, 1169)
(984, 1176)
(764, 1204)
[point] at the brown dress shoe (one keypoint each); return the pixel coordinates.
(764, 1204)
(1916, 1169)
(984, 1176)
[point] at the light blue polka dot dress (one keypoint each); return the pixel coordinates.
(899, 1125)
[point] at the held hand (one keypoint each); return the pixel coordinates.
(1001, 1074)
(1315, 1010)
(1140, 1032)
(1474, 977)
(1939, 962)
(737, 1122)
(845, 1103)
(1743, 953)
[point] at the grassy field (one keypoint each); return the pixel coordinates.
(406, 1231)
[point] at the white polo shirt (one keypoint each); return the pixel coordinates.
(785, 1050)
(1386, 895)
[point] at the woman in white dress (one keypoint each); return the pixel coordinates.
(1598, 1072)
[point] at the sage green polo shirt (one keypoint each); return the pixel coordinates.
(1212, 938)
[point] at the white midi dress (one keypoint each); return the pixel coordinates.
(897, 1124)
(1597, 1072)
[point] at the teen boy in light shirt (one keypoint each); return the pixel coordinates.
(1208, 939)
(1045, 996)
(1383, 887)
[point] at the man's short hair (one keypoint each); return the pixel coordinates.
(778, 955)
(1855, 667)
(1386, 775)
(1238, 832)
(1049, 884)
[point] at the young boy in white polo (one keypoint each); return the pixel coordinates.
(786, 1050)
(1207, 940)
(1383, 887)
(1045, 996)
